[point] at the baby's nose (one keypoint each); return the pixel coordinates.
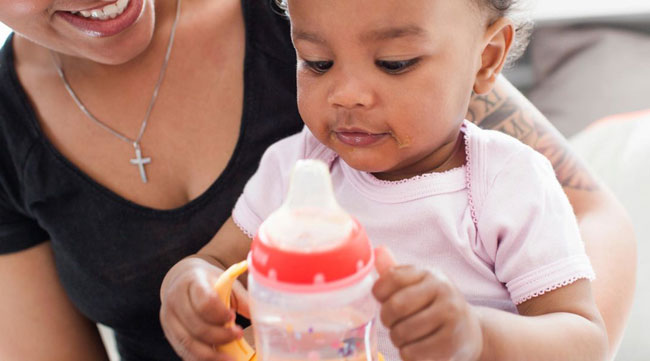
(350, 92)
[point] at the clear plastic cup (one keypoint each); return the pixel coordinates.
(311, 272)
(334, 325)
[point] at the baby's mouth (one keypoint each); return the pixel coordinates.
(104, 13)
(358, 138)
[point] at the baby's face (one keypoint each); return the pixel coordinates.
(386, 83)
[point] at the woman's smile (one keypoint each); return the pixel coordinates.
(104, 20)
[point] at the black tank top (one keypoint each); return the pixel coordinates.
(112, 254)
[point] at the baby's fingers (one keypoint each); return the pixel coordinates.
(426, 322)
(443, 344)
(205, 302)
(240, 300)
(384, 260)
(188, 347)
(206, 318)
(409, 301)
(424, 350)
(395, 279)
(205, 332)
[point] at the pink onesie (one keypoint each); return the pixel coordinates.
(500, 227)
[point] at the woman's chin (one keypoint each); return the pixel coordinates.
(114, 48)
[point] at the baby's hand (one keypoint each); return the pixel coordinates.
(192, 315)
(428, 317)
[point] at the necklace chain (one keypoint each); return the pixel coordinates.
(139, 160)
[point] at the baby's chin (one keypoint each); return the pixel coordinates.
(377, 167)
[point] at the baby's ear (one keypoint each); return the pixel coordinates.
(497, 41)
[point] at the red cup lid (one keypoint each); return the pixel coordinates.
(349, 261)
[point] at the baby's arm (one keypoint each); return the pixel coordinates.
(563, 324)
(191, 314)
(604, 225)
(429, 319)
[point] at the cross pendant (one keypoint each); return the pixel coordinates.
(140, 162)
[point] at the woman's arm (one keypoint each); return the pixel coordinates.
(38, 320)
(604, 224)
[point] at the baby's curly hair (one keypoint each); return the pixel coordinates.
(513, 9)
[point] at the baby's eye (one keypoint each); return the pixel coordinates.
(319, 67)
(396, 67)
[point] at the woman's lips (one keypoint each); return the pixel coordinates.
(359, 139)
(108, 27)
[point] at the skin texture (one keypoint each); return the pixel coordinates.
(192, 139)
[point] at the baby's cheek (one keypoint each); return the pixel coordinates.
(311, 112)
(403, 141)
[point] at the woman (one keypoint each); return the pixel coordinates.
(98, 198)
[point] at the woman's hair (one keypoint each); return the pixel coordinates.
(512, 9)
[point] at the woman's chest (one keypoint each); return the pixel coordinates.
(182, 146)
(185, 117)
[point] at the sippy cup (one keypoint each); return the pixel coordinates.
(310, 278)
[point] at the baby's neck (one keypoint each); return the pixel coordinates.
(456, 158)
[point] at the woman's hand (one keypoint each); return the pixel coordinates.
(194, 319)
(428, 317)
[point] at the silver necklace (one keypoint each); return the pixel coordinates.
(139, 160)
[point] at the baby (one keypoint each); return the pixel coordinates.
(496, 267)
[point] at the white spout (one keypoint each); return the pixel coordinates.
(310, 219)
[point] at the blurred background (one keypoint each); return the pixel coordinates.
(587, 69)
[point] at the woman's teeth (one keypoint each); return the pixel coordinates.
(107, 12)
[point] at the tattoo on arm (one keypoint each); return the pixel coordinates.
(501, 112)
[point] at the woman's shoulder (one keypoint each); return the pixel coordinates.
(268, 29)
(496, 149)
(17, 133)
